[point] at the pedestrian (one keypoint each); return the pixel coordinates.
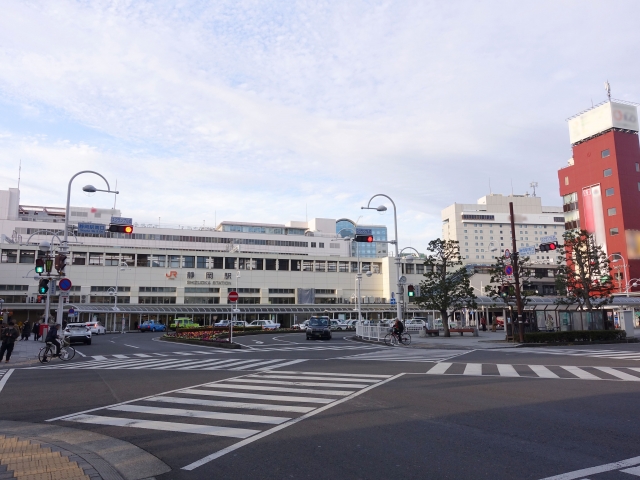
(26, 331)
(483, 322)
(36, 331)
(8, 336)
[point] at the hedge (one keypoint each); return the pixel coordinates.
(218, 329)
(576, 336)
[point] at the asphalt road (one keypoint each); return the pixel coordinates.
(284, 407)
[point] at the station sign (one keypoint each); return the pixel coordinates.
(121, 221)
(363, 231)
(548, 239)
(91, 228)
(527, 251)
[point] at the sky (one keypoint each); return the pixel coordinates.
(270, 111)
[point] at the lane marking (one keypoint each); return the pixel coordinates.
(80, 353)
(178, 412)
(301, 384)
(132, 346)
(347, 375)
(256, 396)
(165, 426)
(618, 374)
(473, 369)
(507, 370)
(4, 378)
(293, 362)
(580, 373)
(543, 372)
(266, 433)
(305, 377)
(99, 357)
(262, 388)
(439, 368)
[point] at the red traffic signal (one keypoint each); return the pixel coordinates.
(364, 238)
(545, 247)
(121, 228)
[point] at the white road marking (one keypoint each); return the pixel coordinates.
(507, 370)
(120, 356)
(618, 374)
(292, 362)
(178, 412)
(630, 462)
(543, 372)
(439, 368)
(219, 403)
(256, 396)
(258, 388)
(165, 426)
(473, 369)
(307, 377)
(301, 384)
(257, 362)
(99, 357)
(336, 375)
(80, 353)
(632, 471)
(578, 372)
(142, 355)
(4, 378)
(132, 346)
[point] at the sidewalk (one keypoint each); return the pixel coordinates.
(485, 341)
(25, 352)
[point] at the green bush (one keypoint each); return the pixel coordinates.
(575, 336)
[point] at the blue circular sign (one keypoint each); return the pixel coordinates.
(64, 284)
(508, 270)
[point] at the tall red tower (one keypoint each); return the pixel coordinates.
(601, 185)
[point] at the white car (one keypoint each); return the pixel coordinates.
(265, 324)
(221, 323)
(77, 332)
(96, 328)
(336, 325)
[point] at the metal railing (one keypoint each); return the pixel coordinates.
(378, 332)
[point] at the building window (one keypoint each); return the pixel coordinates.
(608, 192)
(270, 263)
(159, 289)
(229, 263)
(174, 261)
(188, 262)
(94, 258)
(608, 172)
(637, 167)
(613, 231)
(605, 153)
(79, 258)
(158, 261)
(313, 244)
(321, 245)
(27, 256)
(566, 180)
(611, 212)
(201, 262)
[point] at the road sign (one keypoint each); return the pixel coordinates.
(507, 253)
(527, 251)
(548, 239)
(392, 301)
(91, 228)
(508, 270)
(64, 284)
(121, 221)
(233, 296)
(363, 231)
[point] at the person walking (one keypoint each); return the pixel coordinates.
(36, 331)
(483, 322)
(8, 336)
(26, 331)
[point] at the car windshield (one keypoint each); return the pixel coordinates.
(318, 322)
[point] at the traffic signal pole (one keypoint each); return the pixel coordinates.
(516, 274)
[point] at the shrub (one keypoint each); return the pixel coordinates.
(575, 336)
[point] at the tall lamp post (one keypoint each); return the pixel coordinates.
(122, 266)
(382, 208)
(359, 272)
(64, 248)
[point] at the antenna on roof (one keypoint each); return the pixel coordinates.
(512, 187)
(490, 192)
(534, 185)
(19, 171)
(607, 87)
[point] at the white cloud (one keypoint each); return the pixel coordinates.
(260, 110)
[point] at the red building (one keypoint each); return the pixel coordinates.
(601, 185)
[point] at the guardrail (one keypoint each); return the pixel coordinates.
(378, 332)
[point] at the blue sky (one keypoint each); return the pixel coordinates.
(261, 111)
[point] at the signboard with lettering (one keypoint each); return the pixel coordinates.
(121, 221)
(91, 228)
(527, 251)
(548, 239)
(363, 231)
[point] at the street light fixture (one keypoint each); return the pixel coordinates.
(382, 208)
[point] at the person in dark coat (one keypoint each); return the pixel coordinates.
(26, 331)
(36, 331)
(8, 337)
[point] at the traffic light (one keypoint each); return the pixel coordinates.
(61, 261)
(504, 291)
(364, 238)
(48, 264)
(43, 286)
(122, 228)
(545, 247)
(39, 266)
(411, 292)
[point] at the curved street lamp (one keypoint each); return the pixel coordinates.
(382, 208)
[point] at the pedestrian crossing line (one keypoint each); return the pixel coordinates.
(248, 411)
(222, 404)
(178, 412)
(617, 354)
(141, 355)
(568, 372)
(4, 376)
(346, 375)
(309, 377)
(209, 364)
(166, 426)
(407, 355)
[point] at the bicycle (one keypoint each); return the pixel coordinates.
(67, 352)
(391, 339)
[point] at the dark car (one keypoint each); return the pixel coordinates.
(319, 327)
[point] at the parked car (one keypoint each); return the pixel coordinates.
(351, 324)
(183, 323)
(319, 327)
(239, 323)
(151, 326)
(78, 332)
(265, 324)
(222, 323)
(300, 326)
(96, 328)
(337, 325)
(415, 322)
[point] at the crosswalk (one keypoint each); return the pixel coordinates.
(570, 372)
(4, 376)
(243, 408)
(310, 348)
(407, 355)
(175, 364)
(592, 353)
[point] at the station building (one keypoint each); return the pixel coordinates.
(283, 272)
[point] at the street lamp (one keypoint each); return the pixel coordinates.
(64, 249)
(616, 258)
(382, 208)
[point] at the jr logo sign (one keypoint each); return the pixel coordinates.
(172, 275)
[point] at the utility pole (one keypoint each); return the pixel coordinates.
(516, 274)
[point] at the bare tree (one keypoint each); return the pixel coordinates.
(446, 287)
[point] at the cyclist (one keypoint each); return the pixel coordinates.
(52, 336)
(398, 328)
